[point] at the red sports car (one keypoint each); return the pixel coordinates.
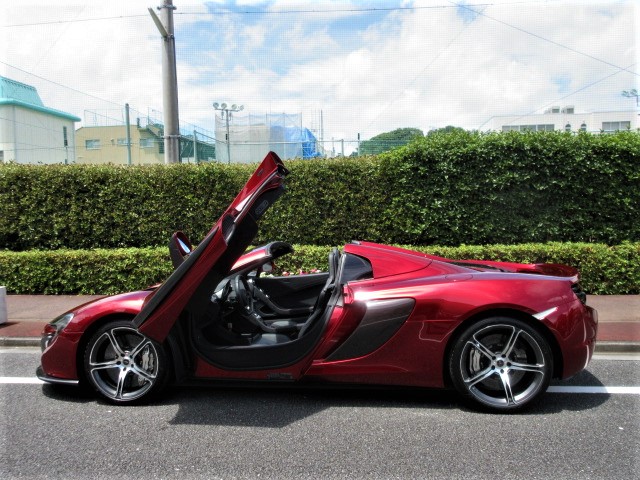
(380, 315)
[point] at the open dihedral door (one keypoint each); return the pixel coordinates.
(189, 286)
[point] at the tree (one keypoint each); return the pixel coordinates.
(447, 129)
(389, 140)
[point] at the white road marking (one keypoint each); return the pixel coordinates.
(551, 389)
(594, 389)
(20, 381)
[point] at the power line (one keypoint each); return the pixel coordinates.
(540, 37)
(78, 20)
(276, 12)
(566, 96)
(58, 84)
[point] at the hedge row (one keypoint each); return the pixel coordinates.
(105, 206)
(443, 189)
(604, 269)
(513, 188)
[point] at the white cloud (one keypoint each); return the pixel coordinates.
(369, 72)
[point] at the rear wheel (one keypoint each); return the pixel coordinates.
(123, 365)
(501, 363)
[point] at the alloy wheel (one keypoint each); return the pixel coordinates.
(502, 365)
(122, 364)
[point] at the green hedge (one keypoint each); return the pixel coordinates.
(91, 206)
(443, 189)
(604, 269)
(450, 189)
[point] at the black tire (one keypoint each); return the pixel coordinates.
(502, 364)
(123, 365)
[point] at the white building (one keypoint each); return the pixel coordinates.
(566, 119)
(31, 132)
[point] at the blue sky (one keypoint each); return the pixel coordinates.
(368, 66)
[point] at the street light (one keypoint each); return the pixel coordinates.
(226, 113)
(630, 94)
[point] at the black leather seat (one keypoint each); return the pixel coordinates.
(288, 326)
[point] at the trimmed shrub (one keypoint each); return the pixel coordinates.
(510, 188)
(604, 270)
(443, 189)
(90, 206)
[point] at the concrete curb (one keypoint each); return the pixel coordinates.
(19, 342)
(617, 347)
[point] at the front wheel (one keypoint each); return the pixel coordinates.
(123, 365)
(501, 363)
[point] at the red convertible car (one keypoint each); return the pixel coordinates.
(496, 332)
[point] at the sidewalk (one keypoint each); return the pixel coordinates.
(618, 331)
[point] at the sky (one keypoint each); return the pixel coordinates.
(350, 67)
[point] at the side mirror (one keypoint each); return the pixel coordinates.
(179, 248)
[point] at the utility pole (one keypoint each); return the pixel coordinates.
(169, 82)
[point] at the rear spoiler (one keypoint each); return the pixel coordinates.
(550, 269)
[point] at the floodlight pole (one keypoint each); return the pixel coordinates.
(226, 114)
(169, 82)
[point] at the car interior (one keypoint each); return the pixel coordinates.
(255, 318)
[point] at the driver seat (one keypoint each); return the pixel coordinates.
(287, 326)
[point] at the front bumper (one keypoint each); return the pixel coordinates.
(58, 381)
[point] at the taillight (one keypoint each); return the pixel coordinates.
(579, 292)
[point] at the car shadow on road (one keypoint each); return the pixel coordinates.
(68, 393)
(277, 408)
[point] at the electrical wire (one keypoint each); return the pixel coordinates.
(557, 100)
(540, 37)
(276, 12)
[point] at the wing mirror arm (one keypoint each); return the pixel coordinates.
(179, 248)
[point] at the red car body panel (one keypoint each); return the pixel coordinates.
(65, 365)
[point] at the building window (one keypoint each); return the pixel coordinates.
(615, 126)
(121, 142)
(529, 128)
(1, 155)
(583, 127)
(93, 144)
(146, 143)
(567, 127)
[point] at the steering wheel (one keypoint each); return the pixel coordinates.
(224, 292)
(245, 300)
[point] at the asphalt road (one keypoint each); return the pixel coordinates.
(49, 432)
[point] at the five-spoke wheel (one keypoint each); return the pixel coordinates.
(122, 364)
(501, 363)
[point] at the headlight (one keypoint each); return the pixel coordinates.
(53, 328)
